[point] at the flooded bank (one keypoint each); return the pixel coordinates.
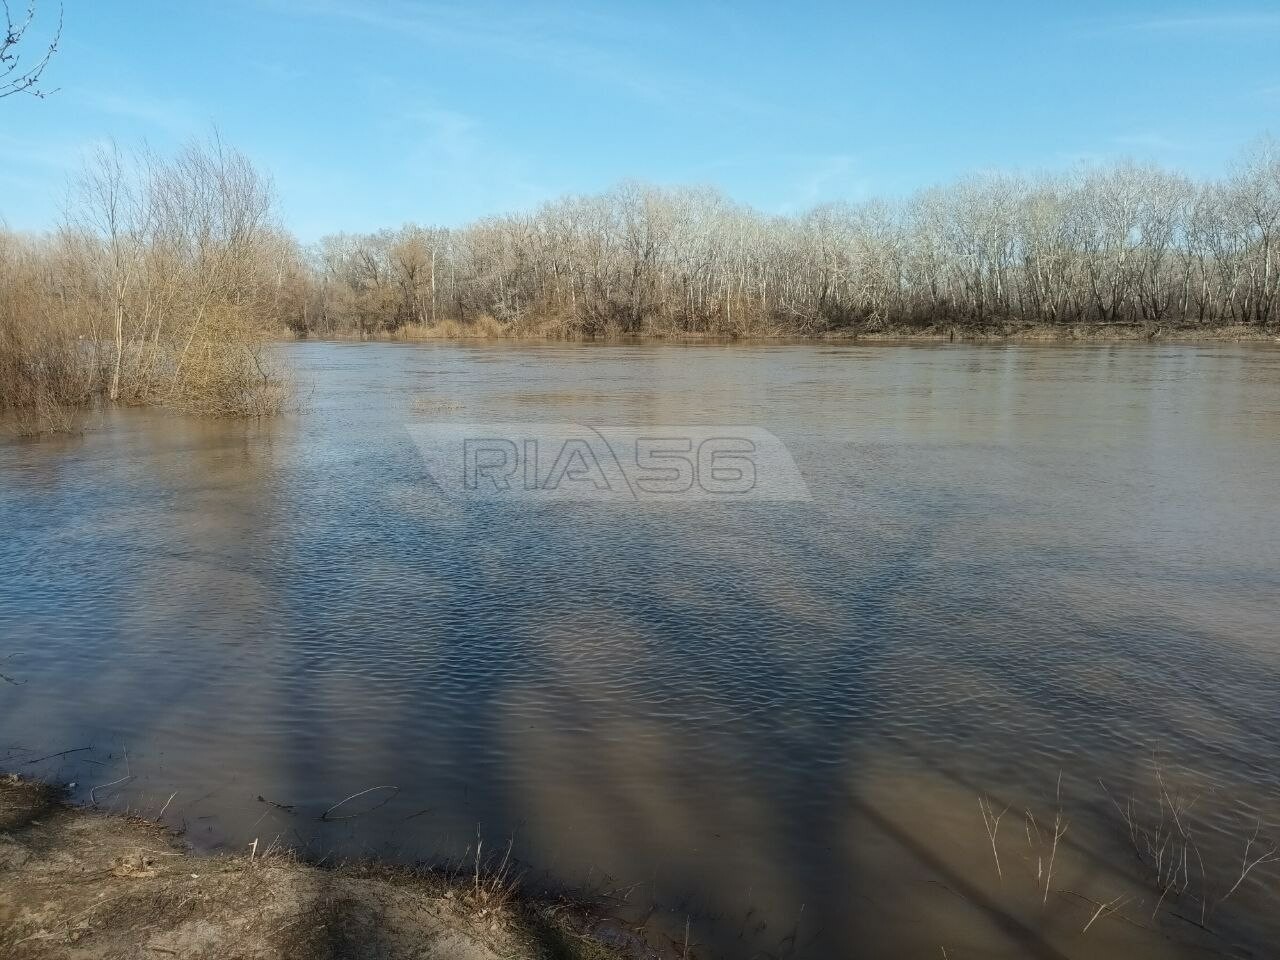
(78, 883)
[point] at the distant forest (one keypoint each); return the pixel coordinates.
(1121, 244)
(171, 275)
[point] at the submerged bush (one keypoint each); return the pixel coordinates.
(162, 287)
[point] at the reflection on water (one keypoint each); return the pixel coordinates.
(775, 719)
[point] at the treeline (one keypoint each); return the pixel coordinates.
(170, 276)
(1125, 244)
(162, 286)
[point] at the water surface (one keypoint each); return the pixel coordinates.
(1023, 569)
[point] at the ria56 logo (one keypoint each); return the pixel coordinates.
(538, 462)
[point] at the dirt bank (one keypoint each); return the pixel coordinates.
(78, 883)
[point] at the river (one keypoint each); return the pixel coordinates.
(1018, 571)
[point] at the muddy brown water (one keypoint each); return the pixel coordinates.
(1023, 570)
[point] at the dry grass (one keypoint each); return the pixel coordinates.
(77, 883)
(483, 327)
(553, 325)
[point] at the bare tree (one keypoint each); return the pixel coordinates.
(163, 287)
(15, 77)
(1126, 244)
(170, 274)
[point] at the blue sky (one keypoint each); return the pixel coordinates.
(371, 114)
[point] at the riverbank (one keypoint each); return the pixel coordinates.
(76, 882)
(488, 329)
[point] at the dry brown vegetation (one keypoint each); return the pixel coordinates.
(163, 286)
(1117, 248)
(169, 276)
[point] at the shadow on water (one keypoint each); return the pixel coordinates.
(771, 724)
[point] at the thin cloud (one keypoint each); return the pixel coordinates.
(449, 133)
(1071, 159)
(569, 40)
(827, 177)
(40, 155)
(36, 173)
(800, 180)
(1148, 141)
(176, 117)
(1220, 23)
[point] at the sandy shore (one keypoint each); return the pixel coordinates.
(78, 883)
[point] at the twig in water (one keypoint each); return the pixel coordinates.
(1104, 908)
(1059, 831)
(6, 677)
(992, 822)
(93, 792)
(1029, 825)
(1126, 814)
(1204, 889)
(394, 790)
(1247, 865)
(62, 754)
(166, 804)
